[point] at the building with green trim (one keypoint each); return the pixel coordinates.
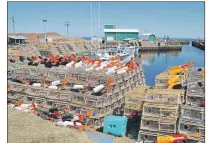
(111, 33)
(148, 37)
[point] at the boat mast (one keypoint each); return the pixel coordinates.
(95, 23)
(91, 24)
(99, 26)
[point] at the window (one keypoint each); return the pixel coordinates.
(110, 126)
(114, 126)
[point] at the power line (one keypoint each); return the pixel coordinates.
(67, 25)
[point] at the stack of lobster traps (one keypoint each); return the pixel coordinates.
(135, 99)
(161, 80)
(192, 118)
(160, 113)
(92, 92)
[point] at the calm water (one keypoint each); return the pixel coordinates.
(156, 62)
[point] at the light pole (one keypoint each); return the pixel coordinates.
(67, 25)
(44, 21)
(13, 24)
(13, 28)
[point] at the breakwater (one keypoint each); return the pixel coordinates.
(199, 44)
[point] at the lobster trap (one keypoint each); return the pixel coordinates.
(165, 111)
(161, 80)
(150, 136)
(190, 126)
(195, 95)
(158, 124)
(171, 96)
(134, 99)
(193, 113)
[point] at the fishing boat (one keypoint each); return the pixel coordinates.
(120, 50)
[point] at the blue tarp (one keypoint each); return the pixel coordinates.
(100, 138)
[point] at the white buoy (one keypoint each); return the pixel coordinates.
(11, 105)
(37, 84)
(57, 82)
(53, 87)
(112, 69)
(78, 86)
(98, 88)
(110, 72)
(60, 123)
(104, 63)
(67, 123)
(78, 65)
(124, 68)
(89, 69)
(70, 64)
(18, 108)
(121, 71)
(25, 106)
(26, 110)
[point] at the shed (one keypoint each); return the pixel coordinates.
(48, 39)
(16, 39)
(148, 37)
(120, 34)
(112, 33)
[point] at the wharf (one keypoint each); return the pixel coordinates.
(161, 48)
(184, 42)
(199, 44)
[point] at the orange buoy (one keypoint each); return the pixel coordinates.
(203, 74)
(175, 138)
(89, 113)
(20, 102)
(9, 89)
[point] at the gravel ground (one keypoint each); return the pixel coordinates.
(26, 128)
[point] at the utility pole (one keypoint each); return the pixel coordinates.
(44, 21)
(67, 25)
(13, 24)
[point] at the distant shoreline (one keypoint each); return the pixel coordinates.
(180, 39)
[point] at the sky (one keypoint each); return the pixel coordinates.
(173, 19)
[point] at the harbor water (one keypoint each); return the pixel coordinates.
(157, 62)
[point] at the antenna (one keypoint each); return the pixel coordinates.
(67, 25)
(13, 24)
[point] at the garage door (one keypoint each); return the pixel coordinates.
(110, 38)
